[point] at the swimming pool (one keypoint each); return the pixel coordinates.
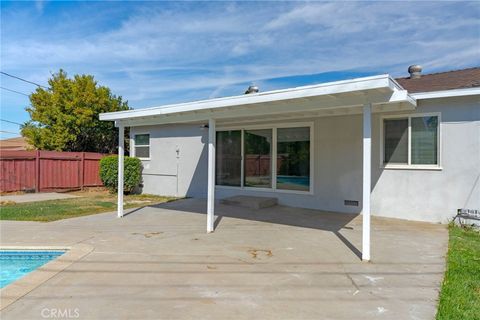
(14, 264)
(300, 180)
(298, 183)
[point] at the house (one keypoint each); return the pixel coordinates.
(405, 148)
(15, 144)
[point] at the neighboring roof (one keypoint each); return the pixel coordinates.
(18, 143)
(450, 80)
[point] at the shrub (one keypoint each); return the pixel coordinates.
(109, 173)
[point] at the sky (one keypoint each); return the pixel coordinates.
(156, 53)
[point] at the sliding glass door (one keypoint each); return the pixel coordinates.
(275, 158)
(229, 158)
(293, 158)
(258, 158)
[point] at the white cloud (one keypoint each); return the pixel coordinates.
(40, 5)
(159, 51)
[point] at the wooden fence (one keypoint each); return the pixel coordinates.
(48, 170)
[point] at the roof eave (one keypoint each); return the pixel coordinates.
(446, 93)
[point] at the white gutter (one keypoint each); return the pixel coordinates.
(330, 88)
(446, 93)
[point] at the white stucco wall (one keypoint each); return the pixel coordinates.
(424, 195)
(434, 195)
(160, 174)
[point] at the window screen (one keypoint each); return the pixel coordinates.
(424, 140)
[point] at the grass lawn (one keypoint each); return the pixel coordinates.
(460, 295)
(91, 202)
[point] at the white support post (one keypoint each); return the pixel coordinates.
(211, 175)
(121, 152)
(367, 169)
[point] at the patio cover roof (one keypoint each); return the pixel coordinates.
(332, 98)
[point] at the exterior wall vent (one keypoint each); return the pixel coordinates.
(353, 203)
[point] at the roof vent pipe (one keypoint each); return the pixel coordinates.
(252, 89)
(415, 71)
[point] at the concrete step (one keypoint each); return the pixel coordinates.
(250, 202)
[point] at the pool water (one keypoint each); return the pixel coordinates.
(300, 180)
(16, 264)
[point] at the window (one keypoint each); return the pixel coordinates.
(229, 158)
(293, 159)
(142, 146)
(277, 158)
(396, 141)
(258, 158)
(411, 141)
(424, 140)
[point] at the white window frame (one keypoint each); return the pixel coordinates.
(149, 145)
(409, 165)
(273, 170)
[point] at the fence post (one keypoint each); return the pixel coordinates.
(82, 171)
(37, 171)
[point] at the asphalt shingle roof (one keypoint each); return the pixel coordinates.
(456, 79)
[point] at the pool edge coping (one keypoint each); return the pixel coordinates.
(19, 288)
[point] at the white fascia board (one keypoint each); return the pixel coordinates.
(446, 93)
(394, 85)
(403, 96)
(330, 88)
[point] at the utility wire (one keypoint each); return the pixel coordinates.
(10, 132)
(10, 75)
(23, 94)
(11, 122)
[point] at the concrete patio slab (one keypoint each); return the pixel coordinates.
(274, 263)
(34, 197)
(250, 202)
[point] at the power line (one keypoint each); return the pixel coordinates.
(9, 132)
(11, 122)
(10, 75)
(24, 94)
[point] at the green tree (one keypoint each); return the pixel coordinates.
(64, 117)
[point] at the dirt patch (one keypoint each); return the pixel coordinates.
(259, 253)
(6, 202)
(12, 193)
(93, 191)
(139, 201)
